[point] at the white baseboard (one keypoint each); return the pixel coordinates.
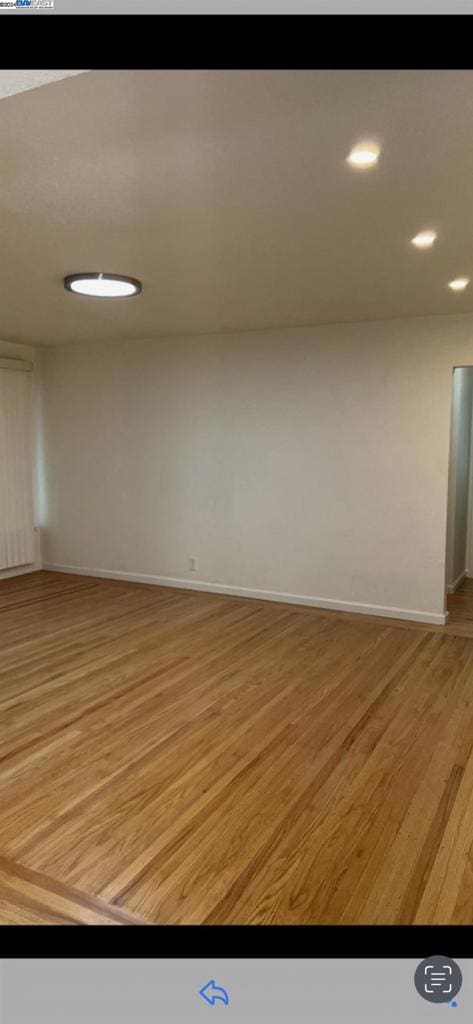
(262, 595)
(452, 587)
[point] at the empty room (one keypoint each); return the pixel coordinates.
(236, 543)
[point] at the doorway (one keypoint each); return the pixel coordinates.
(459, 561)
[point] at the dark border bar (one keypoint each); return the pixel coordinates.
(254, 941)
(235, 41)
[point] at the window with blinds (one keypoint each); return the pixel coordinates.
(17, 539)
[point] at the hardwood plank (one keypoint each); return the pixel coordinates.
(233, 739)
(27, 897)
(330, 754)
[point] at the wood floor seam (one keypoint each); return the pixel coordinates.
(24, 880)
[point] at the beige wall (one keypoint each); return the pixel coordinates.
(310, 462)
(8, 348)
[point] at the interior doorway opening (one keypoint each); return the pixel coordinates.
(459, 553)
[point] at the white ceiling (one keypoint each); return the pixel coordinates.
(228, 194)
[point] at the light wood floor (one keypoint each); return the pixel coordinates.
(175, 757)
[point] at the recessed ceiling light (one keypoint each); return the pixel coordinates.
(424, 239)
(458, 284)
(104, 286)
(363, 156)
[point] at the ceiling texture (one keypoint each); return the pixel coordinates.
(229, 195)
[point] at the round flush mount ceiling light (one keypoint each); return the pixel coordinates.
(364, 156)
(458, 284)
(104, 286)
(424, 239)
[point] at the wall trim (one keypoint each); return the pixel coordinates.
(452, 587)
(263, 595)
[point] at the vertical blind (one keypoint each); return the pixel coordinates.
(17, 539)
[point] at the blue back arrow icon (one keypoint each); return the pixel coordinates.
(212, 992)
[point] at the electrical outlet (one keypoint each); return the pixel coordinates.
(192, 563)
